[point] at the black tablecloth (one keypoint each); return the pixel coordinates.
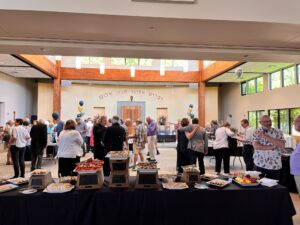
(166, 138)
(232, 205)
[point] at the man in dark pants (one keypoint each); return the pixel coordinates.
(98, 131)
(20, 136)
(39, 138)
(246, 136)
(114, 139)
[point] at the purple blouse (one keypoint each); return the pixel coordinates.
(295, 161)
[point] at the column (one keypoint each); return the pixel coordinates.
(57, 89)
(201, 96)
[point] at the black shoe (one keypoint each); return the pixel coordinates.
(148, 154)
(157, 152)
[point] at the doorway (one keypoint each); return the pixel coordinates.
(131, 110)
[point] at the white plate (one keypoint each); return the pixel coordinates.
(59, 191)
(13, 181)
(11, 187)
(216, 185)
(200, 186)
(29, 191)
(166, 186)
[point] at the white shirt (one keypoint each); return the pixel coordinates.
(69, 144)
(89, 128)
(28, 128)
(221, 135)
(21, 135)
(247, 135)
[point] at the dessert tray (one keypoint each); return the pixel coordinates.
(175, 185)
(118, 154)
(7, 187)
(190, 168)
(146, 166)
(58, 188)
(218, 183)
(18, 181)
(88, 165)
(39, 172)
(67, 179)
(167, 177)
(208, 176)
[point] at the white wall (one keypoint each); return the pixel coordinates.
(19, 95)
(231, 101)
(176, 99)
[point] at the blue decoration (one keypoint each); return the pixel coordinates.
(55, 115)
(81, 103)
(191, 106)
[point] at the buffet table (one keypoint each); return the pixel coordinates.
(232, 205)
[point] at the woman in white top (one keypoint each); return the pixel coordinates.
(70, 150)
(221, 147)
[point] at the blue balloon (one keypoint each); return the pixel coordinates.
(191, 106)
(55, 115)
(81, 103)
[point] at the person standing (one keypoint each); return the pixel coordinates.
(151, 136)
(70, 144)
(27, 156)
(140, 140)
(89, 131)
(39, 138)
(18, 142)
(6, 138)
(246, 138)
(197, 145)
(82, 129)
(183, 153)
(98, 132)
(114, 140)
(268, 144)
(221, 147)
(295, 157)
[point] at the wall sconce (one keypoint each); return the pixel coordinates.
(162, 70)
(78, 63)
(132, 71)
(102, 68)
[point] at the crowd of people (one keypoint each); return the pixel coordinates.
(262, 147)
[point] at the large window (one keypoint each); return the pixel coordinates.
(254, 117)
(146, 62)
(173, 63)
(117, 61)
(92, 60)
(289, 76)
(275, 80)
(274, 115)
(132, 61)
(252, 86)
(284, 122)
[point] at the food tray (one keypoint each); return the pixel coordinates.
(7, 187)
(208, 177)
(212, 183)
(55, 188)
(246, 185)
(18, 181)
(175, 186)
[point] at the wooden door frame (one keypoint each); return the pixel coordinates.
(129, 103)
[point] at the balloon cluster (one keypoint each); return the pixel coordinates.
(190, 111)
(55, 115)
(80, 109)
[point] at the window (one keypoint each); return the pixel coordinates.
(132, 61)
(275, 80)
(284, 121)
(289, 76)
(145, 62)
(252, 118)
(259, 115)
(244, 88)
(275, 118)
(179, 63)
(293, 113)
(166, 62)
(92, 60)
(117, 61)
(251, 87)
(259, 84)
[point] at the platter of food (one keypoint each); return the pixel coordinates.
(89, 165)
(39, 172)
(18, 181)
(246, 181)
(208, 176)
(58, 188)
(146, 166)
(28, 191)
(175, 185)
(68, 179)
(118, 154)
(167, 177)
(190, 168)
(7, 187)
(218, 183)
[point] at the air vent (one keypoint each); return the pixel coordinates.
(167, 1)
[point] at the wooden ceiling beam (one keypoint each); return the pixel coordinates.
(40, 62)
(124, 75)
(218, 68)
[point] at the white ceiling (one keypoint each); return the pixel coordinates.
(71, 34)
(16, 68)
(250, 70)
